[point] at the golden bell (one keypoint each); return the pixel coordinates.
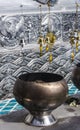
(40, 40)
(47, 40)
(50, 37)
(72, 41)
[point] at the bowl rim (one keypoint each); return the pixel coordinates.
(44, 77)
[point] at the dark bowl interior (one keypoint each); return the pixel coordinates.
(78, 65)
(44, 77)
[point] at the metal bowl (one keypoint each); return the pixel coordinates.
(40, 93)
(76, 75)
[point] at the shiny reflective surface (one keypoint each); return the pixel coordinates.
(51, 2)
(40, 120)
(76, 76)
(40, 93)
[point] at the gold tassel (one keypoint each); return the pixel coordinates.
(72, 56)
(41, 47)
(50, 57)
(77, 44)
(47, 48)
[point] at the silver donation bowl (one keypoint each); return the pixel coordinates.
(40, 93)
(76, 75)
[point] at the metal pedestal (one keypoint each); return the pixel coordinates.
(45, 120)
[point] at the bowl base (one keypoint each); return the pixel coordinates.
(40, 120)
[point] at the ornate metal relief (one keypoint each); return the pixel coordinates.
(14, 61)
(13, 28)
(68, 24)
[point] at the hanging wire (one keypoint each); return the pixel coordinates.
(22, 41)
(74, 38)
(76, 19)
(21, 9)
(48, 16)
(41, 38)
(40, 18)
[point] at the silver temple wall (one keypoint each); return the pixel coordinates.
(12, 28)
(15, 60)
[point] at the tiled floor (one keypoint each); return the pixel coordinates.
(72, 89)
(9, 105)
